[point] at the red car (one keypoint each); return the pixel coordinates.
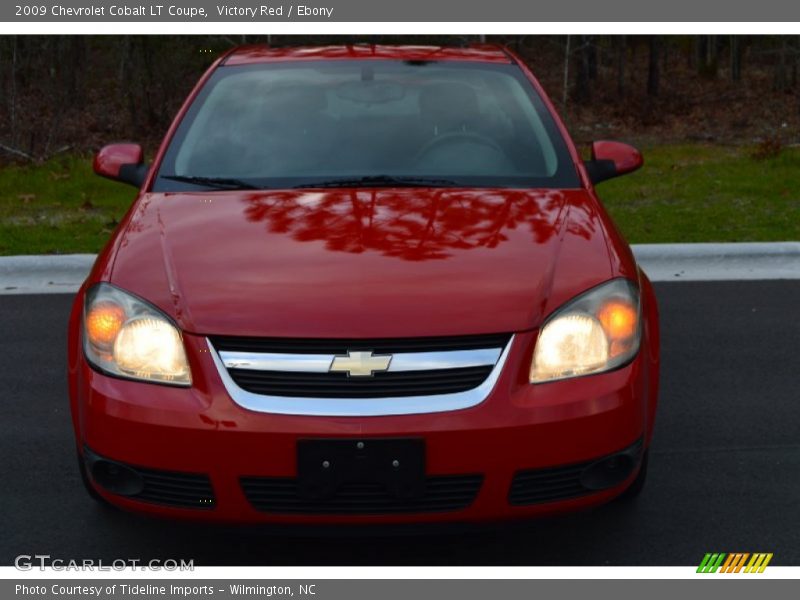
(364, 284)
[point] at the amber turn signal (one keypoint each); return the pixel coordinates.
(619, 319)
(103, 323)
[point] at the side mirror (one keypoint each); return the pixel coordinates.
(612, 159)
(121, 162)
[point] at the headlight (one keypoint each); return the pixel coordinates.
(598, 331)
(125, 336)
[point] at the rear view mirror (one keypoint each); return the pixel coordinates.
(121, 162)
(612, 159)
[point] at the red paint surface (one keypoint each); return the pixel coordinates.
(362, 263)
(263, 53)
(625, 158)
(109, 159)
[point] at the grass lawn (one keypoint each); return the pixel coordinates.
(698, 193)
(60, 207)
(686, 193)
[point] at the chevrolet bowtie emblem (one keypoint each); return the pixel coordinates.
(360, 363)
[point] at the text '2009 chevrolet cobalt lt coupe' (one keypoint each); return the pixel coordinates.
(364, 285)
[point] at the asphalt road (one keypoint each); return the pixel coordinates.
(724, 468)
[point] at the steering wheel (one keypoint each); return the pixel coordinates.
(456, 137)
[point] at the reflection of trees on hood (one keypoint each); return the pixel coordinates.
(406, 223)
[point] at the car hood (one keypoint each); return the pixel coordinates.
(361, 263)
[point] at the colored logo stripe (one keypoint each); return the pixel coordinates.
(758, 563)
(711, 563)
(734, 562)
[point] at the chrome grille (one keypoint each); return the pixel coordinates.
(341, 346)
(361, 377)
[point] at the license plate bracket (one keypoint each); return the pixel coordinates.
(397, 464)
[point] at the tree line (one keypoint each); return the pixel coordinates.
(74, 93)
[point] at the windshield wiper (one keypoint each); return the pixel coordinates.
(222, 183)
(379, 181)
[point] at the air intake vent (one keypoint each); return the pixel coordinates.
(547, 485)
(442, 494)
(176, 489)
(339, 385)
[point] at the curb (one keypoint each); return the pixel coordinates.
(720, 262)
(44, 274)
(64, 274)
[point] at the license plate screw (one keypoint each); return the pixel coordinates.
(325, 464)
(360, 445)
(395, 463)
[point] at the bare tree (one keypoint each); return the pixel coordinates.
(622, 57)
(653, 67)
(707, 55)
(780, 78)
(736, 58)
(582, 92)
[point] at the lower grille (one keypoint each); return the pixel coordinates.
(442, 494)
(570, 481)
(548, 485)
(169, 488)
(381, 385)
(182, 490)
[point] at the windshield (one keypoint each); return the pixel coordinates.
(367, 124)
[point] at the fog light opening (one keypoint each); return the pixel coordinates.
(116, 478)
(608, 472)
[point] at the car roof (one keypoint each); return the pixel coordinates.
(262, 53)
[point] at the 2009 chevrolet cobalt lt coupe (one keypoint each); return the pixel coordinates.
(364, 285)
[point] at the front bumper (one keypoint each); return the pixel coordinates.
(200, 431)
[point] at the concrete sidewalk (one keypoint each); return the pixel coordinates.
(62, 274)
